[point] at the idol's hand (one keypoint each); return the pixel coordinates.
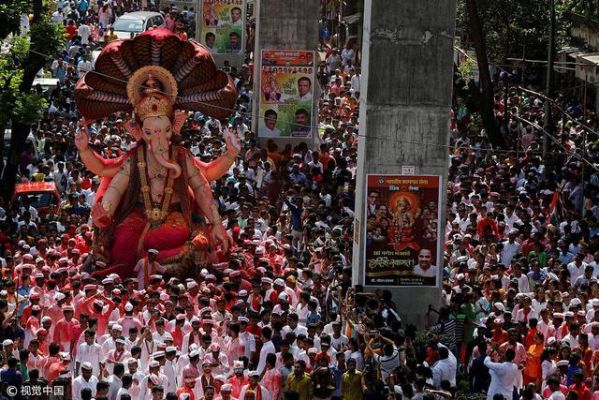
(220, 235)
(82, 138)
(101, 216)
(232, 141)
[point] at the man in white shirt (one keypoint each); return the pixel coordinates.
(503, 375)
(170, 369)
(510, 248)
(115, 381)
(510, 217)
(443, 370)
(294, 326)
(338, 340)
(85, 380)
(269, 129)
(146, 267)
(246, 337)
(110, 343)
(58, 18)
(304, 89)
(576, 267)
(572, 337)
(85, 65)
(355, 81)
(267, 347)
(126, 382)
(89, 352)
(424, 267)
(85, 32)
(236, 17)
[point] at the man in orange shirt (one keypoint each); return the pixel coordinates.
(579, 386)
(586, 353)
(530, 336)
(500, 336)
(66, 329)
(187, 388)
(56, 368)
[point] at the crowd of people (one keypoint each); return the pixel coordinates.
(519, 315)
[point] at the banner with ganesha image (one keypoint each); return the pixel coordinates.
(403, 246)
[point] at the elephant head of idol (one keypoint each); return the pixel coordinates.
(152, 91)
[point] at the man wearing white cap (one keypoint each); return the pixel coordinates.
(225, 392)
(193, 337)
(86, 379)
(184, 361)
(593, 310)
(8, 350)
(148, 346)
(147, 266)
(247, 337)
(261, 392)
(117, 355)
(186, 391)
(219, 360)
(66, 329)
(110, 343)
(54, 310)
(153, 378)
(270, 293)
(95, 306)
(137, 375)
(129, 320)
(205, 380)
(170, 369)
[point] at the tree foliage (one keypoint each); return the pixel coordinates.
(19, 104)
(47, 37)
(10, 16)
(517, 28)
(44, 40)
(16, 105)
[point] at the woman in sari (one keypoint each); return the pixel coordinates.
(532, 368)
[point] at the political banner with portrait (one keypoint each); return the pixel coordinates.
(287, 80)
(222, 25)
(403, 230)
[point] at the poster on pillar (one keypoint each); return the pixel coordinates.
(286, 94)
(222, 25)
(402, 230)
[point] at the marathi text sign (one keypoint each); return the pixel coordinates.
(223, 26)
(286, 94)
(402, 230)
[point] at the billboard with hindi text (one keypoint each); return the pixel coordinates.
(403, 230)
(287, 84)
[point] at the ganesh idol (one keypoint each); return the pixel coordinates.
(156, 196)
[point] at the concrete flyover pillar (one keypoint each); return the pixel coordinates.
(404, 115)
(284, 25)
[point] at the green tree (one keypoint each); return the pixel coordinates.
(515, 28)
(14, 104)
(20, 106)
(10, 16)
(503, 29)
